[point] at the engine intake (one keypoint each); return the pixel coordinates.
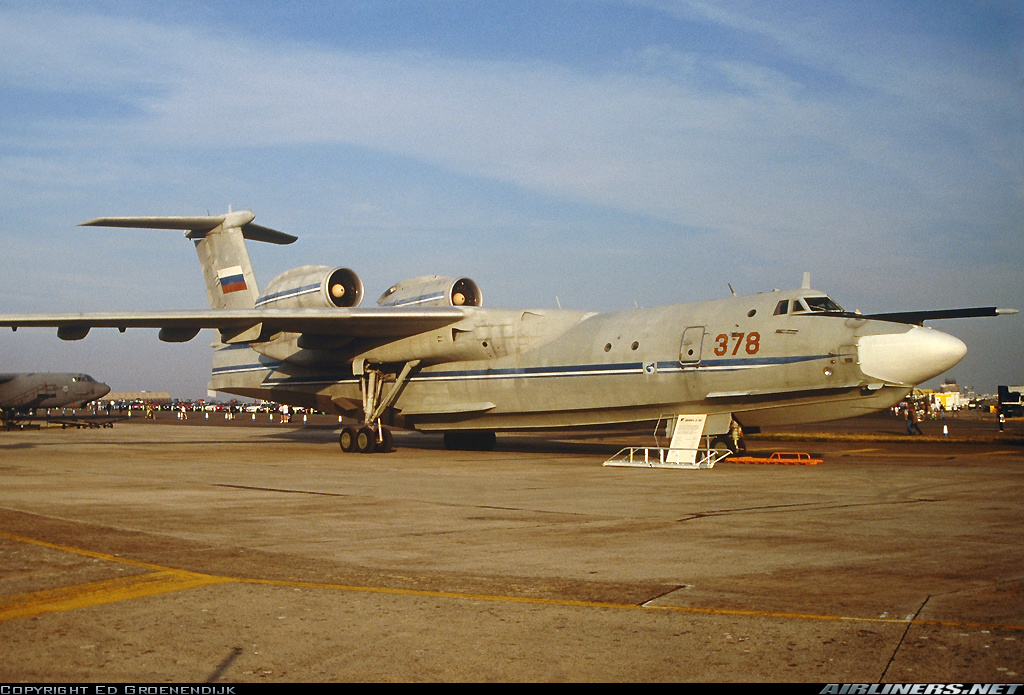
(312, 287)
(433, 290)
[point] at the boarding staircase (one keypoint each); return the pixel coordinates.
(668, 457)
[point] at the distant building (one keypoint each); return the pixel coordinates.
(947, 398)
(152, 397)
(950, 396)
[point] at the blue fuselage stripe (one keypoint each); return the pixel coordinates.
(417, 300)
(284, 294)
(532, 372)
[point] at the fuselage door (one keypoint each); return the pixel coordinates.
(693, 341)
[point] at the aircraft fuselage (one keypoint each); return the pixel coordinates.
(25, 392)
(499, 369)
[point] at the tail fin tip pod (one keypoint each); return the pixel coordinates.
(219, 240)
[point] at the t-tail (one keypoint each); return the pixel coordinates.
(220, 244)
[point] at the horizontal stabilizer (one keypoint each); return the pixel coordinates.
(198, 227)
(919, 317)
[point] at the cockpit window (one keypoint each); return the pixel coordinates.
(810, 305)
(822, 304)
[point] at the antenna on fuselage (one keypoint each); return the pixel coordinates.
(806, 283)
(731, 289)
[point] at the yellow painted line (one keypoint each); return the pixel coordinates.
(165, 579)
(629, 606)
(98, 593)
(83, 551)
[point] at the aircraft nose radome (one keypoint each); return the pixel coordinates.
(909, 358)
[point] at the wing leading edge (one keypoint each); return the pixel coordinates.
(244, 325)
(919, 317)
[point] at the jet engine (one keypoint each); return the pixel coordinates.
(433, 290)
(312, 287)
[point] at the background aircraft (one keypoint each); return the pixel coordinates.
(430, 357)
(22, 394)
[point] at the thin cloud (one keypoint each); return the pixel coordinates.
(808, 137)
(638, 142)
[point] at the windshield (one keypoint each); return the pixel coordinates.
(821, 304)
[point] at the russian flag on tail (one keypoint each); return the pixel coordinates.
(231, 279)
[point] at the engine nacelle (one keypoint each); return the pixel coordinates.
(312, 287)
(433, 290)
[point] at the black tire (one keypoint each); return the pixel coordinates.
(387, 440)
(723, 443)
(366, 440)
(347, 440)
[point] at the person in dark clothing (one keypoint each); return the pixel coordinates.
(912, 421)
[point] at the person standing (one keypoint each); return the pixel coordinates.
(912, 422)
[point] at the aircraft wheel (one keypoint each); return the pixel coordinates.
(366, 440)
(347, 440)
(386, 440)
(723, 444)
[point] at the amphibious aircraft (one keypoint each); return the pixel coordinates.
(23, 394)
(430, 357)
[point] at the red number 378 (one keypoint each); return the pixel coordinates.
(752, 343)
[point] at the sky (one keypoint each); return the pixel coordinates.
(592, 155)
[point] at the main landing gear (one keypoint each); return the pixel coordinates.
(372, 436)
(365, 439)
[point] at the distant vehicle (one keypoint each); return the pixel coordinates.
(430, 357)
(22, 394)
(1011, 403)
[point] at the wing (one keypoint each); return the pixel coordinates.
(247, 325)
(919, 317)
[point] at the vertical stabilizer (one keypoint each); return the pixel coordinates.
(230, 282)
(220, 243)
